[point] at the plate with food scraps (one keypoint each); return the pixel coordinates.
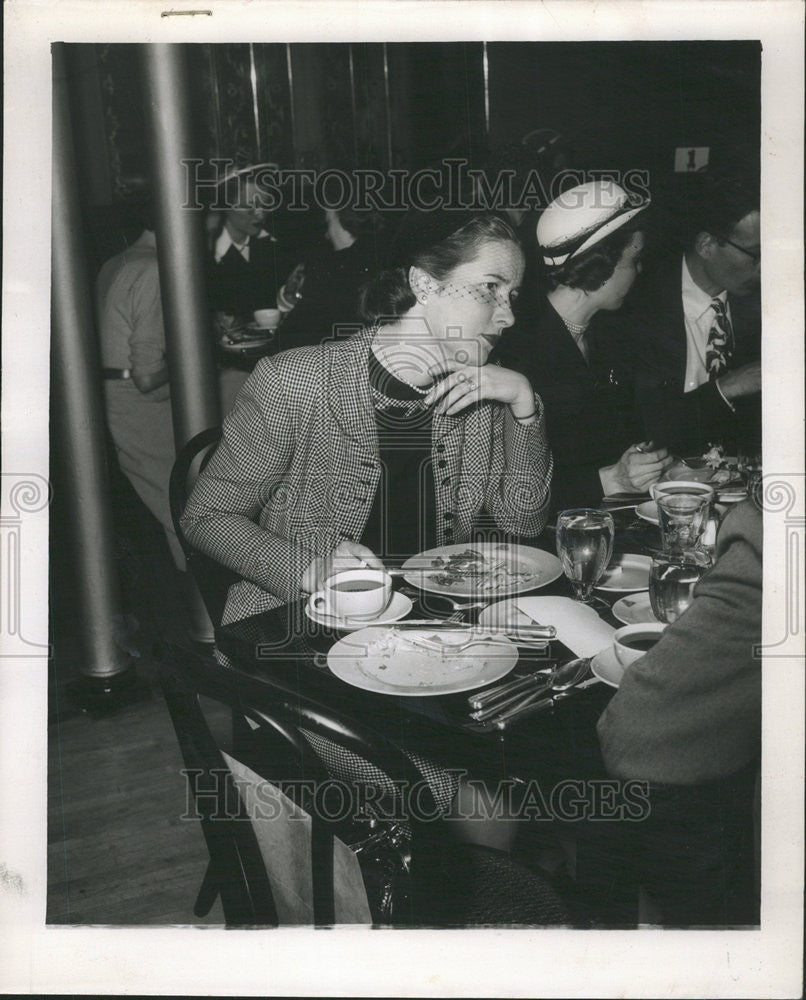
(486, 569)
(626, 573)
(390, 661)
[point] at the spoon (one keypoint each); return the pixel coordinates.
(564, 679)
(561, 688)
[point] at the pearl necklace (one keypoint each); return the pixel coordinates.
(395, 374)
(577, 329)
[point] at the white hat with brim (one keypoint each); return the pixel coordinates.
(581, 217)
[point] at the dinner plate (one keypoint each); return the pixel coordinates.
(607, 668)
(634, 610)
(383, 660)
(399, 607)
(523, 568)
(648, 511)
(626, 573)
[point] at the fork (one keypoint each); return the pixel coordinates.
(456, 605)
(448, 647)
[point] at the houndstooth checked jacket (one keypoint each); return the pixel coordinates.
(297, 469)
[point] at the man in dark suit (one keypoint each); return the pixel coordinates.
(686, 719)
(695, 329)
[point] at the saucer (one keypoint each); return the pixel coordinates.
(634, 610)
(626, 573)
(399, 607)
(607, 668)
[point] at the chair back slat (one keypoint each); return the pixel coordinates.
(212, 578)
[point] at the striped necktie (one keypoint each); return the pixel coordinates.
(719, 350)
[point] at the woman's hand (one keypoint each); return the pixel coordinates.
(346, 555)
(639, 467)
(467, 384)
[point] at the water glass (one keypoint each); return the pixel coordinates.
(682, 518)
(584, 544)
(672, 579)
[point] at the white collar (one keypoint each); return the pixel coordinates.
(696, 302)
(225, 241)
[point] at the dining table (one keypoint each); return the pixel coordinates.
(284, 647)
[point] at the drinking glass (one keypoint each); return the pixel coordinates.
(584, 544)
(682, 518)
(672, 579)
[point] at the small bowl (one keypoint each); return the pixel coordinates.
(267, 319)
(672, 486)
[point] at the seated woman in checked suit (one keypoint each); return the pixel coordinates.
(307, 478)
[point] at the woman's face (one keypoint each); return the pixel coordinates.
(246, 218)
(613, 292)
(470, 308)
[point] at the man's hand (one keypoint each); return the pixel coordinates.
(640, 466)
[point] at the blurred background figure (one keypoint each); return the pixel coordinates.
(252, 252)
(332, 278)
(137, 394)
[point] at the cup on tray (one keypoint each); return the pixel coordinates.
(267, 319)
(354, 593)
(632, 641)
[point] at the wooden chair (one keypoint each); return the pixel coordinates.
(412, 871)
(212, 578)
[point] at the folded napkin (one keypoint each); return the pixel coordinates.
(578, 626)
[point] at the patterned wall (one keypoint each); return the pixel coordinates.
(314, 106)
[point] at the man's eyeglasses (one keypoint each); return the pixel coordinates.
(755, 257)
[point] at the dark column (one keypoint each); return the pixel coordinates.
(107, 669)
(194, 397)
(180, 246)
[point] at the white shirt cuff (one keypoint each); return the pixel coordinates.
(725, 398)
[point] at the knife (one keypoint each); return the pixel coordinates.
(511, 698)
(477, 700)
(532, 708)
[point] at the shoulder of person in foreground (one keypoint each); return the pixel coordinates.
(689, 710)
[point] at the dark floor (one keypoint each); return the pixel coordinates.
(118, 850)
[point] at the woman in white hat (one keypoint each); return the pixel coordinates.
(591, 242)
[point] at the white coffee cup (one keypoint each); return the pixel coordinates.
(268, 319)
(627, 643)
(354, 593)
(674, 486)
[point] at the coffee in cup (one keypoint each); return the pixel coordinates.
(354, 593)
(632, 641)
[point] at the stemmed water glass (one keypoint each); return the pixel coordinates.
(585, 544)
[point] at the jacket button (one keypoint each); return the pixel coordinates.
(440, 447)
(442, 464)
(446, 481)
(448, 515)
